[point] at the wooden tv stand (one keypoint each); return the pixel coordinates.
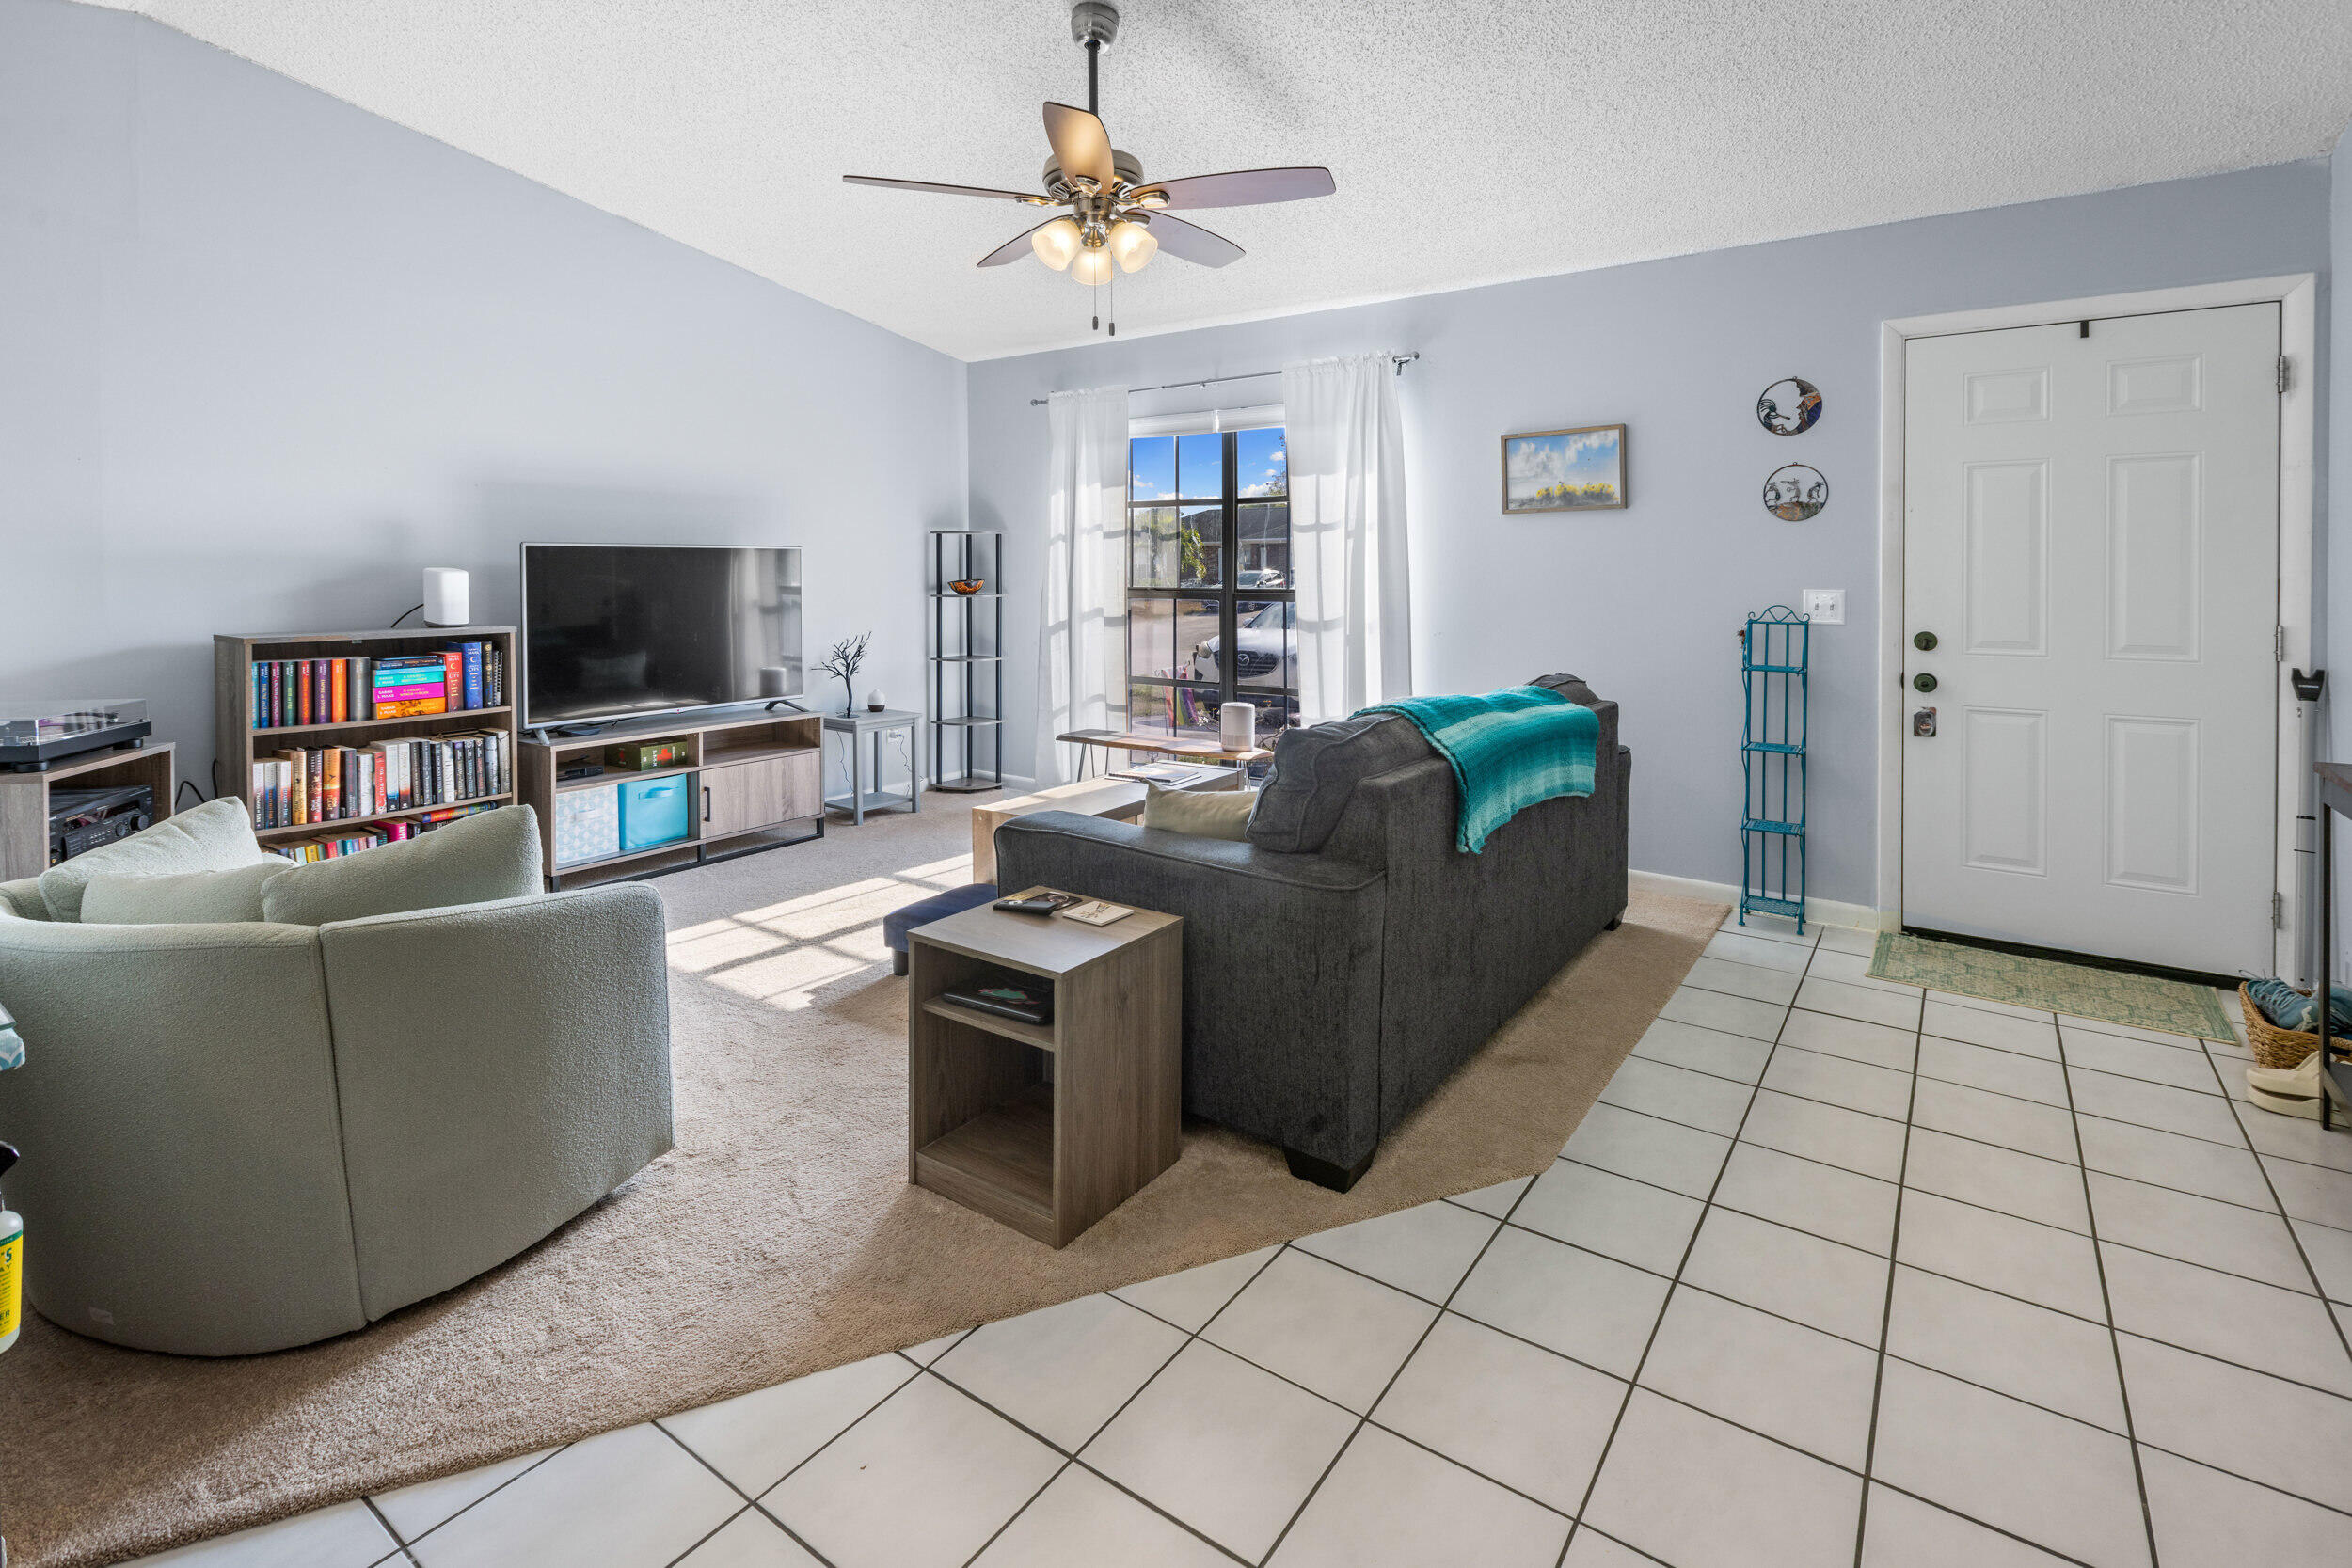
(756, 778)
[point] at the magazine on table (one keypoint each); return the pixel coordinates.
(1007, 995)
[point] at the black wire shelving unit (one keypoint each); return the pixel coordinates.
(967, 662)
(1775, 650)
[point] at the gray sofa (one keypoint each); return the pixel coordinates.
(248, 1135)
(1343, 961)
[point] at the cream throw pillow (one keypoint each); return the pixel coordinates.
(189, 898)
(474, 859)
(1203, 814)
(216, 836)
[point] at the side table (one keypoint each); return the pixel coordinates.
(985, 1125)
(853, 728)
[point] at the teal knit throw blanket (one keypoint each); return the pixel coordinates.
(1509, 750)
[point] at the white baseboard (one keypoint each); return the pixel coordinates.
(1824, 912)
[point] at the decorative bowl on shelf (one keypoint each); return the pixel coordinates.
(969, 586)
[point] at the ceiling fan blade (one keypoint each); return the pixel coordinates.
(947, 190)
(1246, 187)
(1081, 146)
(1012, 249)
(1193, 243)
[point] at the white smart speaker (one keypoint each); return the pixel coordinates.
(1237, 725)
(445, 597)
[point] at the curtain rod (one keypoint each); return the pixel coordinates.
(1399, 360)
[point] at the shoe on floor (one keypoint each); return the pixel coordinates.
(2300, 1079)
(2304, 1105)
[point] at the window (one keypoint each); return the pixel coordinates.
(1209, 571)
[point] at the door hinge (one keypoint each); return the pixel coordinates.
(2278, 912)
(2278, 644)
(2282, 373)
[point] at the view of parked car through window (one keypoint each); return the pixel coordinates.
(1209, 564)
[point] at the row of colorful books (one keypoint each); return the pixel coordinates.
(332, 784)
(328, 845)
(460, 678)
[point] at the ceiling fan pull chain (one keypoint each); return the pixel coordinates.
(1114, 282)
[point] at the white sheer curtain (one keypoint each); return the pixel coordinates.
(1346, 443)
(1081, 627)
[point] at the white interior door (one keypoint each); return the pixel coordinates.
(2092, 542)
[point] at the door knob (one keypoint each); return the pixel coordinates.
(1924, 641)
(1923, 681)
(1923, 723)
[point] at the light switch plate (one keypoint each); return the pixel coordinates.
(1825, 607)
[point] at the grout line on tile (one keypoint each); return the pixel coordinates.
(2107, 1302)
(2255, 1480)
(750, 1502)
(478, 1501)
(400, 1548)
(699, 1541)
(1591, 1485)
(1373, 1403)
(2334, 1317)
(2044, 1548)
(1025, 1503)
(1886, 1308)
(894, 1390)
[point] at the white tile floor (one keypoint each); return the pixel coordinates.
(1869, 1280)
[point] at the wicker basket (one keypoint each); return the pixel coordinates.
(2273, 1047)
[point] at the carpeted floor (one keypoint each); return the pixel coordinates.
(779, 1238)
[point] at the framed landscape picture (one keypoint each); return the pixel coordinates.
(1564, 470)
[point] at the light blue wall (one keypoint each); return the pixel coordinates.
(264, 356)
(1645, 603)
(2335, 543)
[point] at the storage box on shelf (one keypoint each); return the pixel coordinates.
(369, 711)
(742, 782)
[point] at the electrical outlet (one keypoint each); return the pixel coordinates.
(1825, 607)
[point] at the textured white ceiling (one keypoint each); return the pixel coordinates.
(1472, 144)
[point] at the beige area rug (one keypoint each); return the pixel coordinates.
(778, 1239)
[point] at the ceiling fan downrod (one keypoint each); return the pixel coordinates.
(1094, 25)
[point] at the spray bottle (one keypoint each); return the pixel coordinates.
(12, 1264)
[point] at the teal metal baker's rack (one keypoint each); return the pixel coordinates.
(1774, 648)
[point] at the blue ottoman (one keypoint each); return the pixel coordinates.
(939, 906)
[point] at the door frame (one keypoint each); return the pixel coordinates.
(2296, 295)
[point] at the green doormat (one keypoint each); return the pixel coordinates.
(2049, 986)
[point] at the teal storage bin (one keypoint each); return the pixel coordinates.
(654, 812)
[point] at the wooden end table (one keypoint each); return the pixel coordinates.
(984, 1125)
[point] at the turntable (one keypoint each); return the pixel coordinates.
(35, 733)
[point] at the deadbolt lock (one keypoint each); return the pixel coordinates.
(1923, 682)
(1924, 641)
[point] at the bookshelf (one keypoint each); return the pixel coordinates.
(237, 744)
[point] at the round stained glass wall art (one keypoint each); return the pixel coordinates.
(1788, 408)
(1795, 493)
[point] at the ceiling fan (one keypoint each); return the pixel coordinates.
(1114, 217)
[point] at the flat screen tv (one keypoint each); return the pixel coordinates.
(618, 631)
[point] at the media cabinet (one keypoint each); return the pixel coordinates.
(754, 781)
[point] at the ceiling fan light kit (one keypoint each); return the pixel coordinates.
(1114, 219)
